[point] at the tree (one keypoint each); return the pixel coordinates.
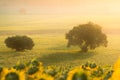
(86, 36)
(19, 43)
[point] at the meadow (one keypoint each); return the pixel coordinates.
(50, 48)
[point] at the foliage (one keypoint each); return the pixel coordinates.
(87, 36)
(19, 66)
(32, 70)
(19, 43)
(66, 72)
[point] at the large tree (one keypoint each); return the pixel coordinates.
(86, 36)
(19, 43)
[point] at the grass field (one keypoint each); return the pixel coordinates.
(50, 48)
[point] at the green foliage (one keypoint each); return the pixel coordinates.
(93, 65)
(97, 73)
(19, 43)
(89, 64)
(62, 77)
(108, 75)
(86, 36)
(19, 66)
(51, 71)
(35, 62)
(32, 70)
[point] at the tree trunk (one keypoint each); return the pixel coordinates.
(84, 48)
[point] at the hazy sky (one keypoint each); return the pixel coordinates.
(93, 7)
(59, 13)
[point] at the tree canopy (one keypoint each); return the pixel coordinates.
(86, 36)
(19, 43)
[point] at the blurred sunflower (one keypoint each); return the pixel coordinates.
(10, 74)
(77, 74)
(116, 73)
(117, 64)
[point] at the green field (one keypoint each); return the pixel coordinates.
(50, 48)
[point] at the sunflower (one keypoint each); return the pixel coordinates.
(77, 74)
(116, 73)
(9, 74)
(117, 64)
